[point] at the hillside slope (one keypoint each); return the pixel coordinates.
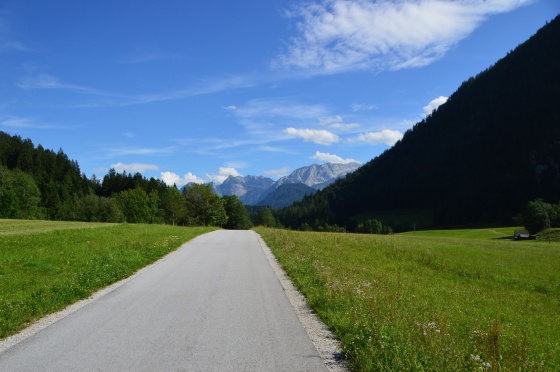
(479, 157)
(286, 194)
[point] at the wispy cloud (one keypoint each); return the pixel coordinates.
(7, 46)
(263, 120)
(267, 148)
(277, 173)
(47, 81)
(8, 43)
(18, 122)
(336, 122)
(146, 56)
(262, 108)
(339, 35)
(91, 97)
(363, 107)
(134, 167)
(116, 151)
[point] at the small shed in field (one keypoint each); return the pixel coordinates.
(523, 235)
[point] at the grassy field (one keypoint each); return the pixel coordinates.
(45, 265)
(493, 233)
(437, 303)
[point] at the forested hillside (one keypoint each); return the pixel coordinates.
(478, 158)
(40, 184)
(286, 194)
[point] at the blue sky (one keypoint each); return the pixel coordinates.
(194, 91)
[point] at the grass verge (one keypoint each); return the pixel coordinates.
(46, 266)
(430, 303)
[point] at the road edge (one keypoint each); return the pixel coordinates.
(329, 348)
(47, 320)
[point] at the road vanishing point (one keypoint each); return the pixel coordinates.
(215, 304)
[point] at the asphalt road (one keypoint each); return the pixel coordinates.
(213, 305)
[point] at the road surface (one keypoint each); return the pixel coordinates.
(213, 305)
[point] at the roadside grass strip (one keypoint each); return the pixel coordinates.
(45, 267)
(401, 303)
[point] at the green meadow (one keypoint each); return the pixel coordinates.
(487, 233)
(46, 265)
(431, 301)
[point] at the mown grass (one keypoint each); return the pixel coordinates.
(488, 233)
(411, 303)
(20, 227)
(46, 266)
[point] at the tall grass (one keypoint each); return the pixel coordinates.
(45, 266)
(427, 303)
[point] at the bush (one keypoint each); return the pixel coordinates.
(536, 216)
(372, 226)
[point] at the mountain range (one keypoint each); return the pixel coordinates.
(259, 190)
(478, 158)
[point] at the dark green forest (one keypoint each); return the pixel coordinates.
(479, 158)
(42, 184)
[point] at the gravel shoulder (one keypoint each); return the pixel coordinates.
(325, 342)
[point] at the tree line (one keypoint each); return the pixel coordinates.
(36, 183)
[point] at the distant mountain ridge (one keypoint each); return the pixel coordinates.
(252, 190)
(249, 189)
(318, 176)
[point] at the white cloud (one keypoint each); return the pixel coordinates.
(319, 136)
(331, 158)
(338, 35)
(230, 107)
(386, 136)
(171, 179)
(134, 167)
(434, 104)
(223, 174)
